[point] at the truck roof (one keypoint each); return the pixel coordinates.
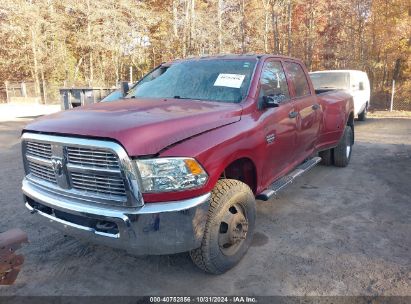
(233, 57)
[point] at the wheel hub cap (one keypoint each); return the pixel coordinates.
(233, 230)
(238, 228)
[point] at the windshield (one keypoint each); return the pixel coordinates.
(331, 80)
(216, 80)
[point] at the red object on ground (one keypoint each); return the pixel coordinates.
(10, 262)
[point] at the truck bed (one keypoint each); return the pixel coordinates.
(335, 106)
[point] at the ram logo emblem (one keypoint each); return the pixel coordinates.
(57, 165)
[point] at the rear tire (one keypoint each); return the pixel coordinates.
(342, 153)
(363, 115)
(327, 157)
(229, 228)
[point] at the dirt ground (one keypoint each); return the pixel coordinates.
(336, 231)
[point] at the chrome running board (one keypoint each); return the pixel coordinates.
(286, 180)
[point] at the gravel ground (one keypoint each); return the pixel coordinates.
(336, 231)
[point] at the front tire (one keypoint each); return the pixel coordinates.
(342, 153)
(229, 229)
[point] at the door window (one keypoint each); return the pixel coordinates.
(273, 82)
(296, 74)
(361, 86)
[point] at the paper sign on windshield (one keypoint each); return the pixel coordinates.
(229, 80)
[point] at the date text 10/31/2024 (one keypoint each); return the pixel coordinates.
(202, 299)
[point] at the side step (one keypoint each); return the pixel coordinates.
(280, 184)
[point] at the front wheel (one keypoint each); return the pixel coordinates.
(229, 229)
(342, 153)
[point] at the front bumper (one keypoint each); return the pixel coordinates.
(155, 228)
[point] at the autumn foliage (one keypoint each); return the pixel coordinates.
(92, 42)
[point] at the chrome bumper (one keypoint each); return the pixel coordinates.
(154, 228)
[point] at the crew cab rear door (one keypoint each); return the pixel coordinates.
(308, 111)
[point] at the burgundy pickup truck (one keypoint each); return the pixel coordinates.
(178, 163)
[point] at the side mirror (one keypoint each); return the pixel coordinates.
(272, 101)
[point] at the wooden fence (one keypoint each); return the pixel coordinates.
(20, 92)
(69, 97)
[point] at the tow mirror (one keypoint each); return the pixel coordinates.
(273, 101)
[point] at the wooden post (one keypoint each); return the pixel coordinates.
(392, 94)
(23, 89)
(43, 88)
(7, 91)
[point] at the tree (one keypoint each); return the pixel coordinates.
(90, 42)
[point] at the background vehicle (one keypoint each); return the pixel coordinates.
(177, 164)
(355, 82)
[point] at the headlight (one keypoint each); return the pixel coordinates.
(170, 174)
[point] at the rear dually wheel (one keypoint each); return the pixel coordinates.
(342, 153)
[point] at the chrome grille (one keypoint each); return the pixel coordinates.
(42, 171)
(92, 158)
(87, 171)
(38, 149)
(106, 185)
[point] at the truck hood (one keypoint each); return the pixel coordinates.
(142, 126)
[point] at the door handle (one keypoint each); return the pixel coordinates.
(315, 106)
(293, 114)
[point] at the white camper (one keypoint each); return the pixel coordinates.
(355, 82)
